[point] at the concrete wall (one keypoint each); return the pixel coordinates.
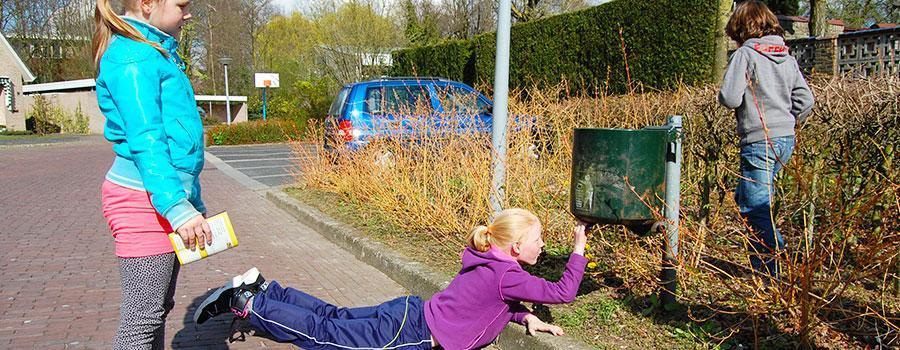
(218, 111)
(87, 99)
(69, 102)
(9, 67)
(862, 52)
(794, 29)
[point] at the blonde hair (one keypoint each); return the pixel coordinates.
(508, 227)
(108, 23)
(752, 19)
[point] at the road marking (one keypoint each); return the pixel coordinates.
(253, 154)
(265, 167)
(267, 176)
(259, 159)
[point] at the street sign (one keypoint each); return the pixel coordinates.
(266, 80)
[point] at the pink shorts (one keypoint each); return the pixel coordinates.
(137, 228)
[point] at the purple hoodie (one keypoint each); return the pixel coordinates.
(472, 311)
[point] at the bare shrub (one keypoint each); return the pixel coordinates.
(837, 205)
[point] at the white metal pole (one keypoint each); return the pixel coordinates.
(500, 112)
(227, 97)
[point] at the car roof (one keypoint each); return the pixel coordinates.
(403, 80)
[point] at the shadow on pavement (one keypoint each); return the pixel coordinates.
(215, 333)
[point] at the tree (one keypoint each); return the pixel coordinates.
(351, 38)
(529, 10)
(463, 19)
(818, 25)
(418, 32)
(188, 44)
(286, 45)
(51, 36)
(256, 13)
(856, 13)
(784, 7)
(226, 28)
(722, 41)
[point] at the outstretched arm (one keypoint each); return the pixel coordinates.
(518, 285)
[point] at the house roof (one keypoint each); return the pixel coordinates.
(804, 19)
(15, 36)
(29, 77)
(884, 25)
(220, 98)
(58, 86)
(62, 86)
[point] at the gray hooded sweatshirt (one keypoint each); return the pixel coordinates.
(776, 92)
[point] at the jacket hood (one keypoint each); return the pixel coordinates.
(473, 258)
(770, 46)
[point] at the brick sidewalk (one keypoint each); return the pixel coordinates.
(59, 279)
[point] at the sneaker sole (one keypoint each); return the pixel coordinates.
(247, 278)
(212, 298)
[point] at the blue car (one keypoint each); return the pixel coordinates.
(406, 108)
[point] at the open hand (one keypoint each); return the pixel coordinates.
(536, 325)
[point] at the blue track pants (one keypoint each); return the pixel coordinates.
(290, 315)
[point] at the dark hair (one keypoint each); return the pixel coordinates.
(752, 19)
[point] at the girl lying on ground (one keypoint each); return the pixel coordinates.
(470, 313)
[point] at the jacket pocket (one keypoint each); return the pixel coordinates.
(189, 142)
(184, 146)
(757, 156)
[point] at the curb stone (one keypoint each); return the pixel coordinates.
(238, 176)
(414, 276)
(66, 140)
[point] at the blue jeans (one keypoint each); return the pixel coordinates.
(760, 162)
(290, 315)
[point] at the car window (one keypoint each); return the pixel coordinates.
(457, 100)
(337, 106)
(398, 100)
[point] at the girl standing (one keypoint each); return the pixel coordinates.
(764, 86)
(153, 184)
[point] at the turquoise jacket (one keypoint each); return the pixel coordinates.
(152, 121)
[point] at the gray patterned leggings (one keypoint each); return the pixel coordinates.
(148, 294)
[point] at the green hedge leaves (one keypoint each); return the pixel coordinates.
(666, 42)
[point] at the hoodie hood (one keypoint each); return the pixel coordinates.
(472, 258)
(770, 46)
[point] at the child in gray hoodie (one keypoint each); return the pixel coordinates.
(764, 86)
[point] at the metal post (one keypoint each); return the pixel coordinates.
(264, 102)
(673, 206)
(225, 61)
(501, 101)
(227, 97)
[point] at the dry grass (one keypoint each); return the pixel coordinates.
(838, 202)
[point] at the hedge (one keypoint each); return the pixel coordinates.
(256, 131)
(666, 41)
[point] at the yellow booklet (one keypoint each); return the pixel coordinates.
(222, 236)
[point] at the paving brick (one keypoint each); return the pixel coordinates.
(60, 273)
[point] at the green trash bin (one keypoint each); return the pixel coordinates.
(607, 164)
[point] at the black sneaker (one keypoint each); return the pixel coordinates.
(232, 297)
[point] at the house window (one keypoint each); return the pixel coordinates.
(6, 86)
